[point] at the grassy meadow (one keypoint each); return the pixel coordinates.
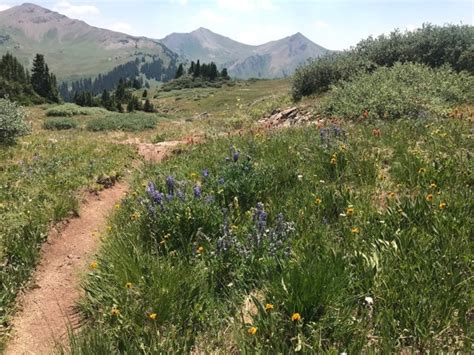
(344, 238)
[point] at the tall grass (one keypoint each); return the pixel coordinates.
(300, 240)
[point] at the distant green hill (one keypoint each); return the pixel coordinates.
(72, 48)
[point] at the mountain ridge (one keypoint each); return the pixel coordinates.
(75, 49)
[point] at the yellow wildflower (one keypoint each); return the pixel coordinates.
(355, 230)
(115, 311)
(318, 201)
(93, 265)
(117, 206)
(135, 216)
(333, 161)
(433, 186)
(252, 330)
(429, 198)
(422, 171)
(269, 307)
(391, 194)
(152, 316)
(200, 250)
(128, 285)
(296, 317)
(442, 205)
(349, 211)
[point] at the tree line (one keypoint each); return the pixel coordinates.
(203, 70)
(18, 84)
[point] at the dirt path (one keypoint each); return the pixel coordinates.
(48, 307)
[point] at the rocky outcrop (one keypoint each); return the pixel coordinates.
(288, 117)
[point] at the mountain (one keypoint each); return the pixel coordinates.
(72, 48)
(274, 59)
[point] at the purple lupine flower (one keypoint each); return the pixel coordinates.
(170, 185)
(236, 156)
(169, 197)
(221, 181)
(197, 191)
(205, 173)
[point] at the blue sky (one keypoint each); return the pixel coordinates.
(334, 24)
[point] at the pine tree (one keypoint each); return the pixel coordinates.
(145, 94)
(148, 107)
(191, 68)
(197, 69)
(179, 72)
(44, 83)
(224, 74)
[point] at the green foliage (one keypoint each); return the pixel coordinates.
(188, 82)
(44, 82)
(376, 259)
(69, 110)
(403, 90)
(60, 123)
(431, 45)
(133, 122)
(12, 121)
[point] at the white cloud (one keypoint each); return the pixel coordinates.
(321, 25)
(71, 10)
(246, 5)
(4, 7)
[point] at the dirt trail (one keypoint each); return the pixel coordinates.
(48, 307)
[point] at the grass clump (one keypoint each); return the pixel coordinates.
(69, 110)
(60, 124)
(131, 122)
(339, 240)
(404, 90)
(12, 121)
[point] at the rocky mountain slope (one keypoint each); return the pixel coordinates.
(71, 47)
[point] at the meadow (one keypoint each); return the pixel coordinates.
(343, 238)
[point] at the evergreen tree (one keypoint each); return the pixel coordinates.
(197, 69)
(145, 94)
(120, 107)
(224, 74)
(191, 68)
(148, 107)
(43, 82)
(179, 72)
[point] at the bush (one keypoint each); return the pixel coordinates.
(320, 74)
(68, 110)
(404, 90)
(12, 121)
(132, 122)
(434, 46)
(60, 124)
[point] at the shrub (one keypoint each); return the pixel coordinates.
(68, 110)
(434, 46)
(404, 90)
(12, 121)
(60, 124)
(131, 122)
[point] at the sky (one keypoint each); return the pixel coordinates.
(334, 24)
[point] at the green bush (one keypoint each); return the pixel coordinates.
(68, 110)
(131, 122)
(12, 121)
(434, 46)
(404, 90)
(60, 123)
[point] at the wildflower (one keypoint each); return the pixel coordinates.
(117, 206)
(221, 181)
(128, 285)
(252, 330)
(381, 177)
(170, 185)
(422, 171)
(296, 317)
(300, 177)
(369, 301)
(115, 312)
(333, 161)
(152, 316)
(355, 230)
(442, 205)
(317, 201)
(349, 211)
(236, 156)
(200, 250)
(433, 186)
(391, 194)
(429, 198)
(376, 132)
(109, 228)
(269, 307)
(365, 114)
(197, 191)
(135, 216)
(194, 176)
(205, 173)
(93, 265)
